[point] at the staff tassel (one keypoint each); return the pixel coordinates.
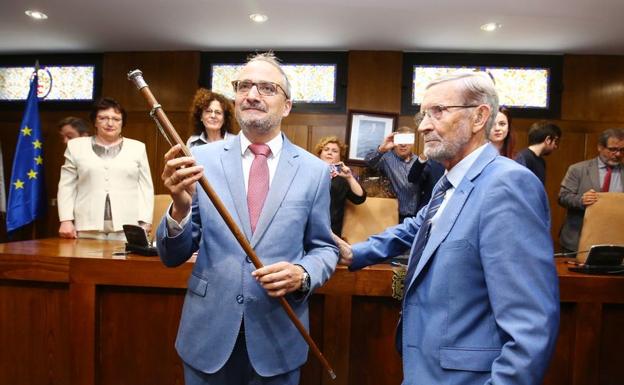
(170, 134)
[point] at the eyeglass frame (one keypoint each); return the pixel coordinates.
(255, 84)
(615, 150)
(426, 113)
(106, 119)
(215, 112)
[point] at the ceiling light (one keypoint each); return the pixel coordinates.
(36, 14)
(258, 17)
(491, 27)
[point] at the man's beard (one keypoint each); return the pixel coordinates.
(257, 125)
(445, 150)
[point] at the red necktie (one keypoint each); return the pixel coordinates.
(258, 182)
(607, 180)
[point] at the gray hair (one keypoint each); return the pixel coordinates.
(269, 57)
(477, 88)
(617, 133)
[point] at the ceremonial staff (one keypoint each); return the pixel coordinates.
(171, 135)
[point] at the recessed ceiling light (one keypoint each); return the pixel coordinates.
(491, 27)
(36, 14)
(258, 17)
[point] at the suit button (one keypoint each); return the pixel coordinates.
(240, 298)
(248, 259)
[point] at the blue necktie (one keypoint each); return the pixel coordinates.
(423, 234)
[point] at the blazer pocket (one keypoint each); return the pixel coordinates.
(295, 204)
(471, 359)
(197, 285)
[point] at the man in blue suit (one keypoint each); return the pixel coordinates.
(232, 331)
(481, 299)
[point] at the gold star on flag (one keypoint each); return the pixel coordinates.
(32, 174)
(37, 143)
(18, 184)
(26, 131)
(39, 159)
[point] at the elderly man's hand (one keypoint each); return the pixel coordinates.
(346, 255)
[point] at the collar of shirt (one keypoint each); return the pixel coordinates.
(455, 176)
(276, 144)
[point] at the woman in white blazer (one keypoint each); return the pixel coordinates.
(105, 181)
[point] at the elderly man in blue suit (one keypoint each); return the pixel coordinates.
(232, 331)
(481, 299)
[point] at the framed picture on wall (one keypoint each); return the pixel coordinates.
(366, 131)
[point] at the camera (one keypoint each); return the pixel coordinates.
(335, 167)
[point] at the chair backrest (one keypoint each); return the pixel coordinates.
(603, 223)
(161, 202)
(371, 217)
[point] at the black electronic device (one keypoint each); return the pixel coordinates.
(137, 241)
(602, 259)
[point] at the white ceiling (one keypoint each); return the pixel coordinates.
(529, 26)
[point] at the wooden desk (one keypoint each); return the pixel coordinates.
(72, 313)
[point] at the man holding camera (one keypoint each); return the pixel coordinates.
(394, 159)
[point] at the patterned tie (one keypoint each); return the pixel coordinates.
(606, 184)
(423, 234)
(258, 182)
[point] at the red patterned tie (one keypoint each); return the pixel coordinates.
(258, 182)
(607, 180)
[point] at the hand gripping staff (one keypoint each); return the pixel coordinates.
(170, 134)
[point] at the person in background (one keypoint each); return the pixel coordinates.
(480, 301)
(212, 116)
(72, 127)
(395, 161)
(582, 182)
(543, 140)
(424, 174)
(233, 330)
(501, 136)
(343, 184)
(105, 182)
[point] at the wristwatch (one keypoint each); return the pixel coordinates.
(305, 281)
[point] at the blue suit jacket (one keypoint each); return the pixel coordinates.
(483, 304)
(294, 226)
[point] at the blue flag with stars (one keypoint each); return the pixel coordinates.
(27, 188)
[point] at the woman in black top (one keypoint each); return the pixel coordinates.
(343, 184)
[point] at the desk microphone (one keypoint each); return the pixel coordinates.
(570, 253)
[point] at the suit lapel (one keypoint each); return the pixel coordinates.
(594, 175)
(231, 161)
(453, 208)
(284, 175)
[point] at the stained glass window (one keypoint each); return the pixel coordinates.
(310, 83)
(56, 83)
(517, 87)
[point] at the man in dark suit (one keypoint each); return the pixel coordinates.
(480, 302)
(424, 174)
(232, 331)
(585, 179)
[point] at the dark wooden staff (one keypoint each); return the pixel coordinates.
(169, 132)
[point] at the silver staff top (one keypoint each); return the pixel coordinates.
(136, 76)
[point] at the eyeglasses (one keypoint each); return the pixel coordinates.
(104, 119)
(216, 112)
(436, 111)
(264, 88)
(614, 150)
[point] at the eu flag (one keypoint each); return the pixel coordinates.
(27, 188)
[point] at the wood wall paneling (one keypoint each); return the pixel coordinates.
(374, 81)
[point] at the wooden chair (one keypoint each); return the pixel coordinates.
(161, 203)
(603, 223)
(371, 217)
